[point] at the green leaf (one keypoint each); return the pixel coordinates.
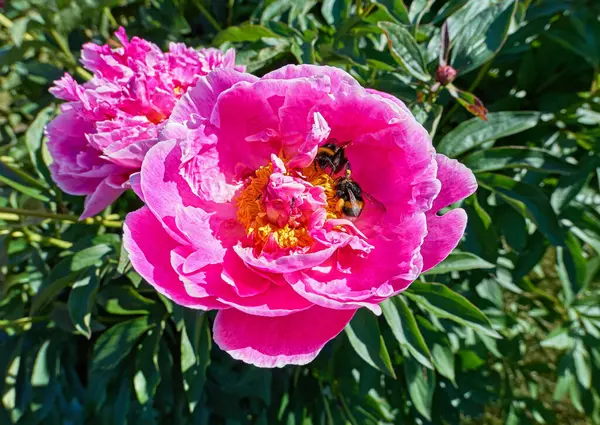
(126, 300)
(441, 352)
(81, 301)
(559, 339)
(46, 368)
(88, 257)
(405, 329)
(18, 29)
(421, 385)
(59, 278)
(34, 193)
(475, 132)
(335, 12)
(395, 9)
(460, 261)
(571, 265)
(482, 37)
(195, 355)
(243, 32)
(115, 343)
(33, 139)
(517, 157)
(445, 303)
(529, 201)
(405, 50)
(481, 237)
(569, 186)
(365, 337)
(147, 375)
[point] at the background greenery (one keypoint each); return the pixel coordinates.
(509, 334)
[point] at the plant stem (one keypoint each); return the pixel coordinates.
(15, 214)
(23, 175)
(4, 21)
(480, 75)
(47, 240)
(208, 16)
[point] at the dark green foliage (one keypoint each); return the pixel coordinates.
(506, 331)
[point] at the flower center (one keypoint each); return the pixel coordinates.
(278, 208)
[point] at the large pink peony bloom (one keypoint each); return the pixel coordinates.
(110, 122)
(239, 218)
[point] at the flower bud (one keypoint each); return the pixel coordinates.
(445, 74)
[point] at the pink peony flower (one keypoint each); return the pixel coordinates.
(109, 123)
(239, 216)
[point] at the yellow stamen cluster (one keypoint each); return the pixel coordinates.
(251, 212)
(319, 178)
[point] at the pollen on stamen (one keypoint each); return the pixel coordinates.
(252, 214)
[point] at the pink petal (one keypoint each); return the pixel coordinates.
(201, 98)
(336, 76)
(458, 182)
(149, 248)
(443, 234)
(276, 342)
(104, 195)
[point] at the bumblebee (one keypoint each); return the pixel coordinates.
(332, 156)
(351, 202)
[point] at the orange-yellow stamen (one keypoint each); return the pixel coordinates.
(251, 211)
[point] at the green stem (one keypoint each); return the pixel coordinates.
(46, 240)
(480, 75)
(22, 174)
(15, 214)
(6, 22)
(208, 16)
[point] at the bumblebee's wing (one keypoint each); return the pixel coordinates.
(372, 203)
(355, 204)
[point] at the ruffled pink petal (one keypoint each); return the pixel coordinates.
(276, 342)
(201, 99)
(350, 280)
(308, 150)
(336, 76)
(388, 97)
(458, 182)
(105, 194)
(397, 167)
(247, 137)
(443, 234)
(284, 263)
(151, 258)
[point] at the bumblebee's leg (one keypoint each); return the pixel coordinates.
(340, 205)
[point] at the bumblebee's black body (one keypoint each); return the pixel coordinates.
(350, 195)
(331, 157)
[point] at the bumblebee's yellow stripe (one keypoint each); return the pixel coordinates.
(326, 150)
